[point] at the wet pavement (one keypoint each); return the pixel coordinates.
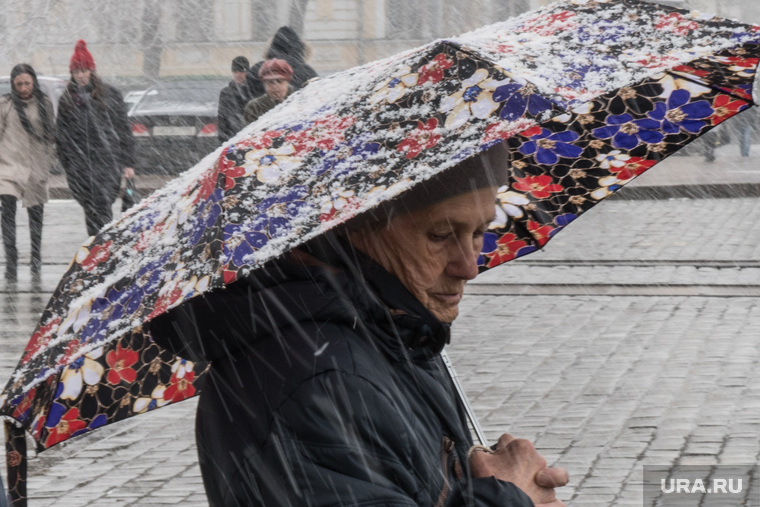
(632, 339)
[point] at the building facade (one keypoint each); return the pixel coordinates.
(162, 38)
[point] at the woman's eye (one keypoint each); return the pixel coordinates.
(440, 236)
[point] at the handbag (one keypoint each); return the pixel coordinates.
(129, 195)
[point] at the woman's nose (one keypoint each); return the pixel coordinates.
(463, 262)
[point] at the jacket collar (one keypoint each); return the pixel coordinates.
(417, 327)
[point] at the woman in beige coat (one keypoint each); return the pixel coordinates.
(27, 153)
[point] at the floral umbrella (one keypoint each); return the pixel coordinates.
(587, 94)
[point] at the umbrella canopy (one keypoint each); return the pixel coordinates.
(587, 94)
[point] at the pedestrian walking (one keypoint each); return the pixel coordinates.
(94, 140)
(286, 45)
(27, 155)
(232, 100)
(746, 123)
(276, 75)
(326, 384)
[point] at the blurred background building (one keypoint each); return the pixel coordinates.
(151, 39)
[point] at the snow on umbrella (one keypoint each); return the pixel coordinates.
(587, 94)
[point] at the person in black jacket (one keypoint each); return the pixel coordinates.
(95, 143)
(326, 384)
(232, 100)
(286, 45)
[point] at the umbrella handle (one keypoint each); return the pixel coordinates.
(463, 398)
(15, 460)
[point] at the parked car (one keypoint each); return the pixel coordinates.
(132, 98)
(174, 124)
(52, 86)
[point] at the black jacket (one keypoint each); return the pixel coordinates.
(232, 100)
(286, 45)
(326, 388)
(94, 142)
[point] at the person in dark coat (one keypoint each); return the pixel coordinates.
(276, 75)
(95, 143)
(286, 45)
(326, 384)
(232, 100)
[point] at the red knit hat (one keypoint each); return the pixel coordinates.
(81, 59)
(276, 69)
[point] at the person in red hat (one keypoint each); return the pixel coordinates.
(95, 143)
(276, 75)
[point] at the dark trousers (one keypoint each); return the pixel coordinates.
(96, 215)
(8, 211)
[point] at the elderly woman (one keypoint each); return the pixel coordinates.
(327, 386)
(27, 153)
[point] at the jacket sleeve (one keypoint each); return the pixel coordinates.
(63, 141)
(251, 112)
(117, 109)
(341, 437)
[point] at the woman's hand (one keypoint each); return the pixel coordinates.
(517, 461)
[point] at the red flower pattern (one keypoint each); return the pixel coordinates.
(540, 187)
(180, 387)
(506, 249)
(551, 24)
(688, 69)
(71, 351)
(67, 426)
(676, 23)
(725, 108)
(502, 130)
(40, 339)
(542, 233)
(98, 255)
(632, 168)
(324, 134)
(259, 142)
(25, 404)
(165, 302)
(433, 71)
(421, 138)
(120, 361)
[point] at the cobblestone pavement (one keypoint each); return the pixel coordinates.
(633, 338)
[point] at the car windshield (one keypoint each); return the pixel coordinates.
(183, 99)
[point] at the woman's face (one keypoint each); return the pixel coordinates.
(276, 88)
(434, 251)
(81, 76)
(24, 86)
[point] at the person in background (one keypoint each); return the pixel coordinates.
(276, 75)
(95, 144)
(286, 45)
(27, 155)
(232, 100)
(746, 124)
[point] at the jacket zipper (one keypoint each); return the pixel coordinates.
(448, 446)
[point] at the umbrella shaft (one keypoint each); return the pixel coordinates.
(463, 398)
